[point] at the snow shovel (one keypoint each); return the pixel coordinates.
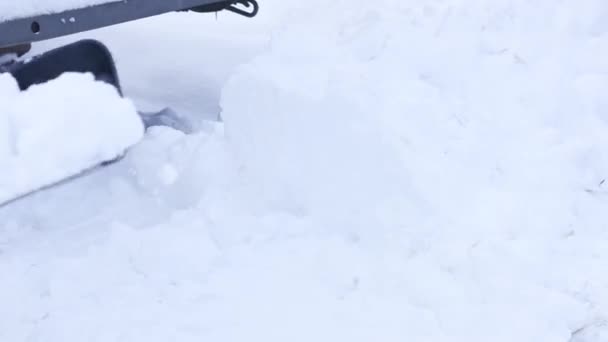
(85, 56)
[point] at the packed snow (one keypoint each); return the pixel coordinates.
(58, 130)
(417, 170)
(26, 8)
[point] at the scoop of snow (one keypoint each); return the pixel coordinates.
(59, 129)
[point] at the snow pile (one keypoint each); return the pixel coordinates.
(469, 138)
(26, 8)
(452, 100)
(59, 129)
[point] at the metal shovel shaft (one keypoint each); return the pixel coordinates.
(47, 26)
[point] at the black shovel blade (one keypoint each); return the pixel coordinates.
(84, 56)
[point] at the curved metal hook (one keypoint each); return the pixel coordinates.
(247, 3)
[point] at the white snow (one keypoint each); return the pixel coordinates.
(385, 171)
(25, 8)
(56, 130)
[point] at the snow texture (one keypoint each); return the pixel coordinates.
(420, 170)
(27, 8)
(57, 130)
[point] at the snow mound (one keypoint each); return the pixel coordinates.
(471, 135)
(59, 129)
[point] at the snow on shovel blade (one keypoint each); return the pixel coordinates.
(61, 129)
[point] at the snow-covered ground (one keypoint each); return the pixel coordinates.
(388, 170)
